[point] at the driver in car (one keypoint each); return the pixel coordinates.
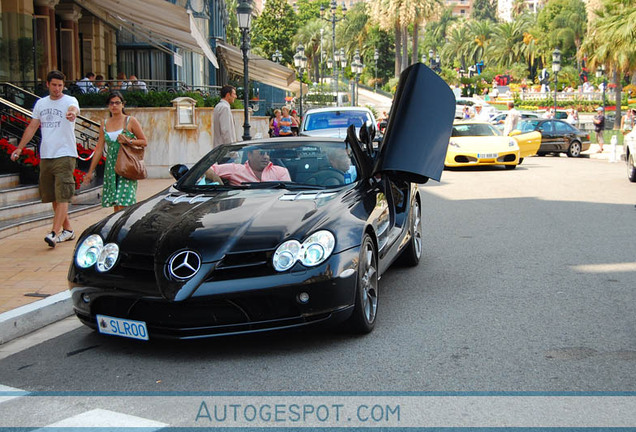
(258, 168)
(341, 161)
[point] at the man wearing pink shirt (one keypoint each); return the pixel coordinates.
(258, 168)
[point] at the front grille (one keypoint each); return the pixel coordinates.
(199, 313)
(242, 265)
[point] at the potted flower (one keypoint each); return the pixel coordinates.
(7, 166)
(29, 167)
(78, 175)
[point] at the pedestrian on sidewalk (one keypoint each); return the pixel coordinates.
(118, 192)
(224, 132)
(55, 115)
(628, 120)
(599, 127)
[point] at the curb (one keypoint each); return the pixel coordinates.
(29, 318)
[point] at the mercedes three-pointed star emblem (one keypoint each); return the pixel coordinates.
(184, 265)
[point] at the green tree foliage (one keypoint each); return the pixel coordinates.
(274, 29)
(562, 24)
(232, 32)
(484, 10)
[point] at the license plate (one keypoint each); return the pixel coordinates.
(122, 327)
(487, 155)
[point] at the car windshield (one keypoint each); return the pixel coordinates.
(527, 125)
(287, 164)
(336, 119)
(474, 129)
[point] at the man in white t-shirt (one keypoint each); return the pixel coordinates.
(512, 119)
(55, 116)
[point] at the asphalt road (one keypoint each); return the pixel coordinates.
(526, 284)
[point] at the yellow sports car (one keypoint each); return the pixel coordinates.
(480, 143)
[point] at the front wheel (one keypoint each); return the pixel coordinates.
(510, 167)
(575, 149)
(631, 169)
(365, 309)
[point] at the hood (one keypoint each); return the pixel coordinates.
(327, 133)
(228, 221)
(416, 139)
(483, 143)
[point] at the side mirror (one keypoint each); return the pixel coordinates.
(178, 171)
(515, 132)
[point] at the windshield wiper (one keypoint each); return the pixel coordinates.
(280, 185)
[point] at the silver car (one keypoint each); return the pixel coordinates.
(334, 121)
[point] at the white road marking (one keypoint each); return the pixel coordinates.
(106, 418)
(4, 388)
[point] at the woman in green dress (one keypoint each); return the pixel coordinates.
(119, 128)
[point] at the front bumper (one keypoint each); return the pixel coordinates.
(230, 307)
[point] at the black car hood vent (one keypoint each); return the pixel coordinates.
(242, 265)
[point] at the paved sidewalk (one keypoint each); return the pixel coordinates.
(33, 286)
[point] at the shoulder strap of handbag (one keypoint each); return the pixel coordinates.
(126, 124)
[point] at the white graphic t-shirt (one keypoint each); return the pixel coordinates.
(58, 134)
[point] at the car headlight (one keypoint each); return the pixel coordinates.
(107, 257)
(317, 248)
(286, 255)
(88, 252)
(313, 251)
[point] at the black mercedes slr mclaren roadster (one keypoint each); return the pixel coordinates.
(269, 234)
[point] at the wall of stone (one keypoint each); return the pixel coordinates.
(168, 146)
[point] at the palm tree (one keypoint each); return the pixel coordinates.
(309, 36)
(611, 42)
(481, 32)
(458, 45)
(507, 46)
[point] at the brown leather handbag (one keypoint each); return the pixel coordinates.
(130, 159)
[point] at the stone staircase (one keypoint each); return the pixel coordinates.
(21, 208)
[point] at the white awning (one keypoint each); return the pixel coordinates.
(260, 69)
(154, 20)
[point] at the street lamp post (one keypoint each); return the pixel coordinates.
(300, 61)
(277, 56)
(556, 67)
(333, 19)
(431, 53)
(376, 57)
(244, 15)
(356, 68)
(600, 73)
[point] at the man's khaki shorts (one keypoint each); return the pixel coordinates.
(56, 179)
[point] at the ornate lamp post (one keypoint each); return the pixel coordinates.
(333, 19)
(431, 53)
(556, 67)
(300, 61)
(356, 68)
(600, 73)
(438, 63)
(424, 58)
(244, 14)
(376, 57)
(277, 56)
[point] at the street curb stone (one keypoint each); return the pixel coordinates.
(28, 318)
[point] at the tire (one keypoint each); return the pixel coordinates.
(510, 167)
(575, 149)
(413, 251)
(541, 154)
(362, 320)
(631, 169)
(520, 161)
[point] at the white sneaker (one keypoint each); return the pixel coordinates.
(65, 235)
(51, 239)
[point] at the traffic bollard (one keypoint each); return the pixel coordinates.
(613, 143)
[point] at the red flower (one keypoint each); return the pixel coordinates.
(78, 175)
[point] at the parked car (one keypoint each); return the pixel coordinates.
(629, 151)
(334, 121)
(304, 246)
(500, 119)
(480, 143)
(557, 136)
(471, 102)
